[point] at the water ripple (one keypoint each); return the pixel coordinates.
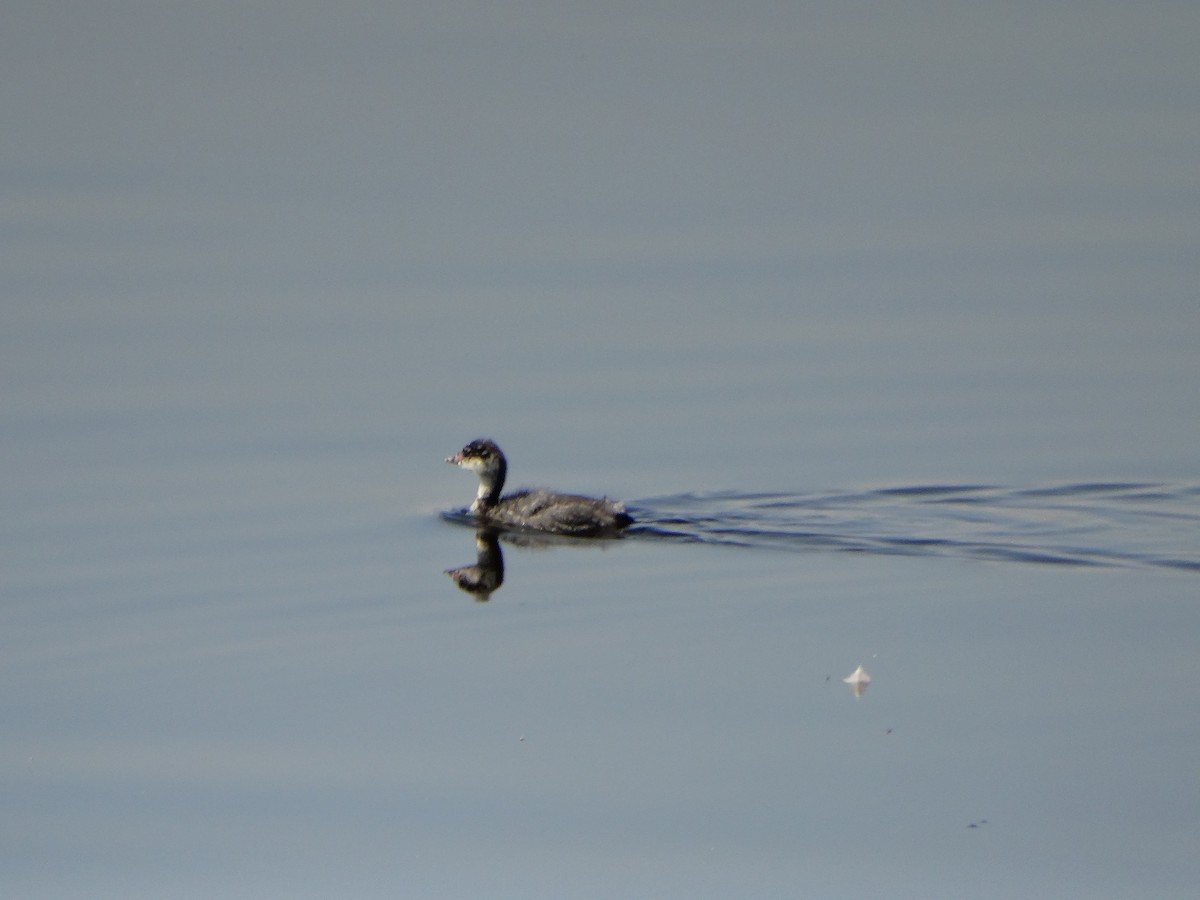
(1126, 524)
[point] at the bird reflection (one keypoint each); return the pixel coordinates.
(487, 574)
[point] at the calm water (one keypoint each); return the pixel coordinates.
(1075, 524)
(884, 322)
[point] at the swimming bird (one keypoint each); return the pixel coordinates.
(534, 510)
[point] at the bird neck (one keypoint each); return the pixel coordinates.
(490, 485)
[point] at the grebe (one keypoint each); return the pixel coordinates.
(535, 510)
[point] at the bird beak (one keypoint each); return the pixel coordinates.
(457, 458)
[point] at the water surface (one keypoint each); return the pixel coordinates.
(883, 319)
(1137, 524)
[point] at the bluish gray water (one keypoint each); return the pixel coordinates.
(906, 293)
(1073, 524)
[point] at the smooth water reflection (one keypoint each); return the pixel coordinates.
(912, 296)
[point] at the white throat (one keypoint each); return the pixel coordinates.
(486, 482)
(485, 488)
